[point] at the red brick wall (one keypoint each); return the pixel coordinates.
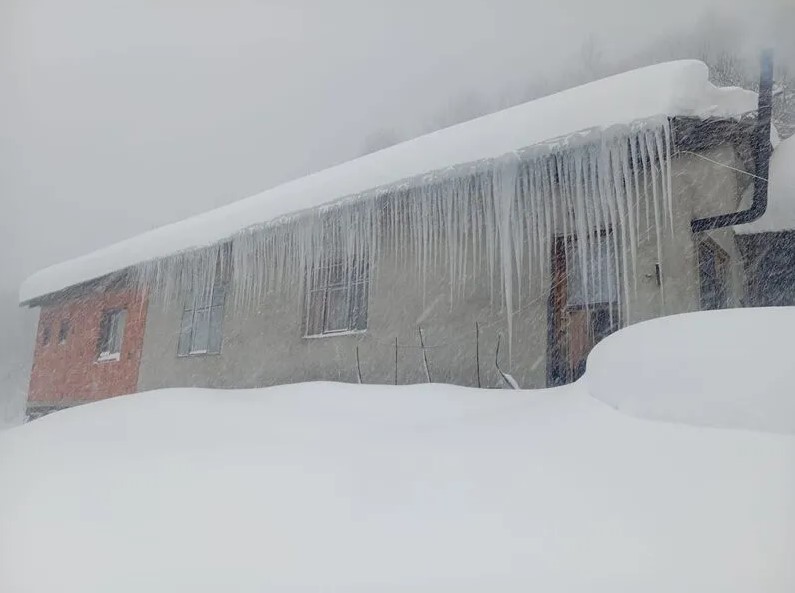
(69, 373)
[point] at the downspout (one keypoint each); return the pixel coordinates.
(763, 150)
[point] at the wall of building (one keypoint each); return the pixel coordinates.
(68, 373)
(264, 345)
(770, 268)
(700, 188)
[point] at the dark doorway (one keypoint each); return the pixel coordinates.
(713, 271)
(583, 305)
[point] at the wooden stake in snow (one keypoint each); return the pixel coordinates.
(510, 381)
(424, 355)
(477, 351)
(358, 366)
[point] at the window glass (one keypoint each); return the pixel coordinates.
(337, 299)
(185, 331)
(111, 332)
(201, 330)
(215, 332)
(336, 309)
(599, 283)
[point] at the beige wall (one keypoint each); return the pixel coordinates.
(264, 345)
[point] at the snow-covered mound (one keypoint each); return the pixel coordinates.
(668, 89)
(331, 487)
(780, 214)
(732, 368)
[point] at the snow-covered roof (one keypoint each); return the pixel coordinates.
(780, 213)
(425, 488)
(679, 88)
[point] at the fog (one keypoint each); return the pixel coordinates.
(117, 116)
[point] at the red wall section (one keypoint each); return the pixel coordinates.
(69, 373)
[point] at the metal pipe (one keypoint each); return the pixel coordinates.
(763, 150)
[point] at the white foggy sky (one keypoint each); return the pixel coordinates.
(118, 116)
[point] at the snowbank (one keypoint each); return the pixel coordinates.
(330, 487)
(674, 88)
(731, 368)
(780, 214)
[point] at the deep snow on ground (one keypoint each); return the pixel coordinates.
(332, 487)
(733, 369)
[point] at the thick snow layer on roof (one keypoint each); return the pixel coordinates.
(668, 89)
(780, 213)
(349, 488)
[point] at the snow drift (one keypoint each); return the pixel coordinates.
(331, 487)
(731, 368)
(669, 89)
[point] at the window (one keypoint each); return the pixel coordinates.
(713, 268)
(63, 333)
(337, 299)
(202, 318)
(602, 279)
(111, 334)
(45, 335)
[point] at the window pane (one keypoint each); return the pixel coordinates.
(602, 280)
(185, 333)
(203, 298)
(201, 331)
(314, 314)
(336, 275)
(336, 309)
(119, 318)
(219, 294)
(359, 306)
(216, 332)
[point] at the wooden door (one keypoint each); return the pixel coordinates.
(578, 318)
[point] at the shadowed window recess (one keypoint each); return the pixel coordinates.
(111, 334)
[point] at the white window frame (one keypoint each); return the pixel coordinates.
(114, 321)
(350, 279)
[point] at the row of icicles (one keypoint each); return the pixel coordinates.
(495, 221)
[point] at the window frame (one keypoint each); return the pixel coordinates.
(112, 321)
(213, 310)
(354, 280)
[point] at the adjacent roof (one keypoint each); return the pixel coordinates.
(679, 88)
(780, 214)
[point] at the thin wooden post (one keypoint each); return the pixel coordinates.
(424, 355)
(358, 366)
(509, 380)
(396, 359)
(477, 351)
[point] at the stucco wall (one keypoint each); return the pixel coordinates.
(68, 373)
(264, 346)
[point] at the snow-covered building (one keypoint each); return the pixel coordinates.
(507, 245)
